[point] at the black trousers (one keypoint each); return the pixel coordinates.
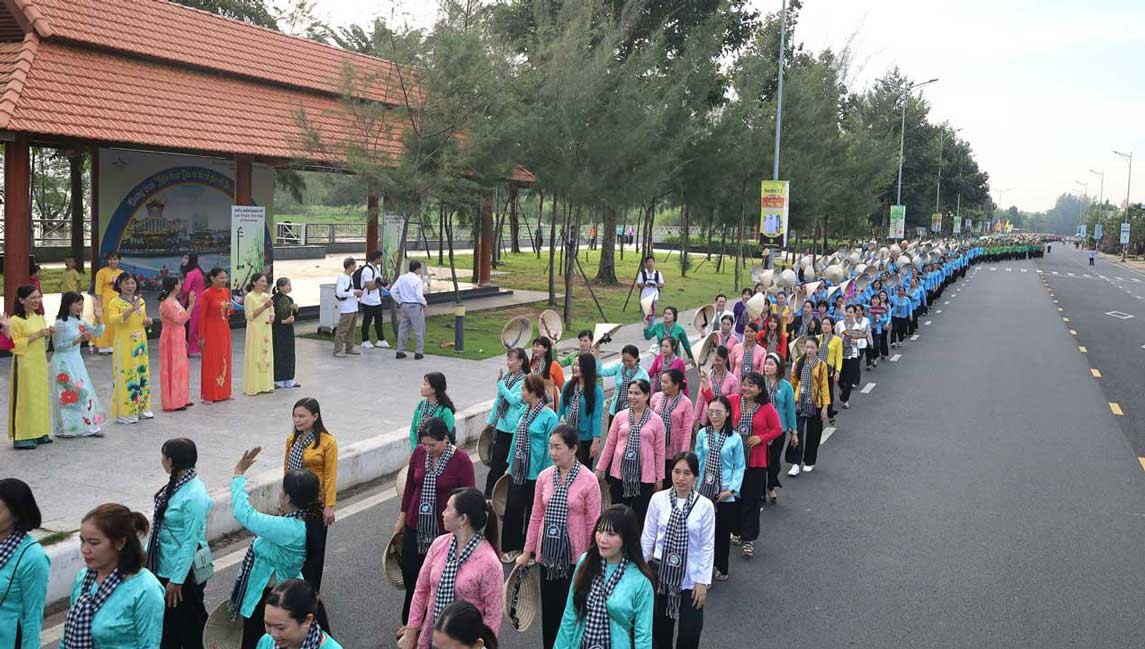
(315, 563)
(376, 314)
(810, 433)
(832, 384)
(913, 323)
(751, 498)
(727, 521)
(183, 625)
(584, 454)
(774, 453)
(411, 566)
(899, 328)
(253, 626)
(849, 378)
(554, 594)
(518, 508)
(499, 463)
(690, 622)
(638, 503)
(884, 348)
(872, 351)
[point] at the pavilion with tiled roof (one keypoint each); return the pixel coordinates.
(153, 75)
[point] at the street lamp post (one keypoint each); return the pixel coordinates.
(1128, 184)
(938, 184)
(902, 132)
(1085, 197)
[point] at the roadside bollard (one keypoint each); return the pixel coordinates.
(459, 327)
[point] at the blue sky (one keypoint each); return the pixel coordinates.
(1043, 90)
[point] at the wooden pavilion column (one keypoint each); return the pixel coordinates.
(75, 161)
(244, 172)
(485, 270)
(17, 218)
(96, 262)
(371, 221)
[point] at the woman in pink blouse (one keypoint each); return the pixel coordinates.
(468, 554)
(669, 359)
(718, 381)
(675, 411)
(193, 284)
(633, 454)
(560, 534)
(749, 347)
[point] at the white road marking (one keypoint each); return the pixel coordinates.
(1119, 279)
(939, 310)
(1025, 270)
(868, 387)
(1056, 273)
(1071, 274)
(827, 433)
(1119, 315)
(927, 323)
(896, 357)
(914, 337)
(1009, 270)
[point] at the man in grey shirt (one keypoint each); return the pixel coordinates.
(407, 293)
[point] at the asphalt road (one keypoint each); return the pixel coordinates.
(981, 494)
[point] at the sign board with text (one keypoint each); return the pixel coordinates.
(897, 222)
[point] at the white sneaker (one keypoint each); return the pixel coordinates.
(793, 471)
(147, 414)
(127, 420)
(846, 405)
(367, 344)
(808, 468)
(383, 344)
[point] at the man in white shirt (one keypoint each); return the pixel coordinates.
(408, 294)
(854, 342)
(370, 279)
(721, 310)
(347, 298)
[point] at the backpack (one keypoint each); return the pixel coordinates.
(356, 278)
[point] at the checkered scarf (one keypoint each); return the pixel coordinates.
(806, 391)
(556, 548)
(747, 410)
(772, 388)
(630, 463)
(674, 560)
(597, 631)
(427, 508)
(77, 628)
(294, 461)
(572, 415)
(522, 454)
(626, 376)
(242, 580)
(446, 588)
(772, 339)
(425, 410)
(313, 637)
(745, 366)
(713, 478)
(510, 381)
(160, 500)
(8, 547)
(666, 410)
(717, 383)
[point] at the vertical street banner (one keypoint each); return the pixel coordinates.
(248, 244)
(897, 222)
(969, 226)
(957, 225)
(1081, 230)
(391, 238)
(1125, 234)
(1097, 233)
(936, 222)
(774, 201)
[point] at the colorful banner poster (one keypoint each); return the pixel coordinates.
(957, 225)
(1097, 233)
(1125, 234)
(1082, 229)
(919, 232)
(969, 227)
(391, 225)
(897, 222)
(248, 246)
(774, 201)
(936, 222)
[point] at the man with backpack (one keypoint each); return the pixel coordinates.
(368, 280)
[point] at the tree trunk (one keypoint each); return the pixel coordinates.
(540, 215)
(708, 246)
(606, 268)
(76, 167)
(649, 220)
(514, 219)
(572, 244)
(400, 260)
(552, 253)
(452, 265)
(476, 225)
(684, 245)
(441, 238)
(720, 259)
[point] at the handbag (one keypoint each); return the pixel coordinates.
(203, 565)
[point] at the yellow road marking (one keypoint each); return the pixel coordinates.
(1142, 461)
(1081, 348)
(1095, 372)
(1115, 408)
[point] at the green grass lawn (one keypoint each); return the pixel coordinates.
(321, 214)
(50, 279)
(524, 271)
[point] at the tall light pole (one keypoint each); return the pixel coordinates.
(1128, 184)
(1101, 191)
(779, 95)
(938, 184)
(902, 132)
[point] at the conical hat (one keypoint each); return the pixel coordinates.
(810, 288)
(517, 332)
(485, 446)
(704, 349)
(795, 349)
(400, 480)
(834, 273)
(221, 632)
(788, 278)
(392, 561)
(647, 304)
(550, 325)
(755, 305)
(844, 287)
(522, 596)
(501, 494)
(603, 330)
(704, 316)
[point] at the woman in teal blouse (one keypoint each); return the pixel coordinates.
(626, 371)
(610, 602)
(783, 398)
(116, 603)
(279, 548)
(291, 619)
(528, 456)
(23, 567)
(507, 409)
(178, 530)
(584, 395)
(434, 403)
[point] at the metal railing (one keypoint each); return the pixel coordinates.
(52, 233)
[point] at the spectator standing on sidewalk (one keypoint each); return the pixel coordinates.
(408, 294)
(347, 297)
(370, 282)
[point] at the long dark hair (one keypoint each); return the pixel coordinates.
(797, 371)
(23, 293)
(311, 404)
(301, 489)
(66, 302)
(548, 362)
(756, 379)
(17, 497)
(169, 284)
(621, 520)
(479, 511)
(254, 278)
(436, 380)
(522, 356)
(296, 597)
(214, 272)
(183, 455)
(462, 622)
(192, 264)
(587, 364)
(278, 284)
(118, 522)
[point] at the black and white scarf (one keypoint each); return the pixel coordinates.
(772, 388)
(426, 410)
(160, 500)
(556, 548)
(313, 637)
(626, 376)
(572, 413)
(597, 630)
(712, 481)
(8, 547)
(522, 453)
(630, 462)
(666, 409)
(806, 388)
(772, 339)
(745, 361)
(238, 592)
(674, 559)
(446, 589)
(510, 381)
(294, 461)
(717, 383)
(427, 509)
(77, 627)
(747, 409)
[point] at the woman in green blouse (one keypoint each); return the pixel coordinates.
(434, 403)
(23, 567)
